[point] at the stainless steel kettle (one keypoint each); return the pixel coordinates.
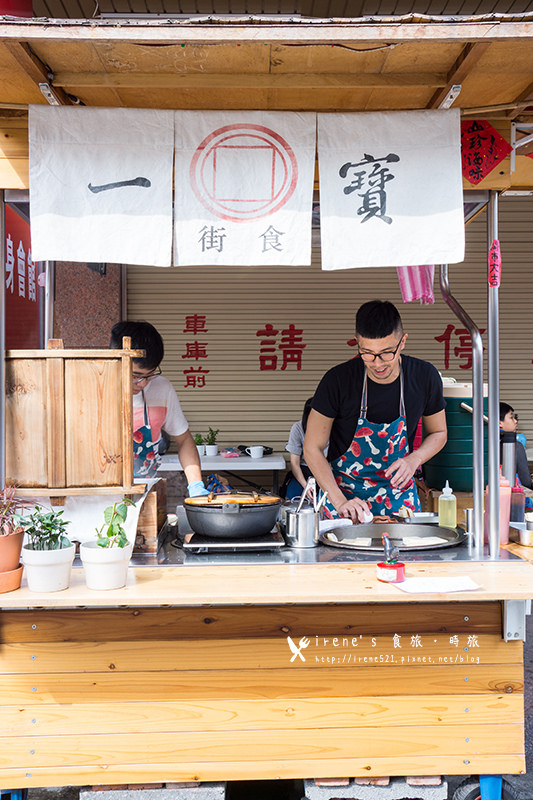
(301, 526)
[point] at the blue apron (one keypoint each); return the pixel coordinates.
(360, 471)
(146, 460)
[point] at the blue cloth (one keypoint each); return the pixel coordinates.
(214, 485)
(196, 489)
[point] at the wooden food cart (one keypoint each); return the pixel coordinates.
(187, 674)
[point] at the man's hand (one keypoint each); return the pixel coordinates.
(356, 509)
(197, 489)
(402, 470)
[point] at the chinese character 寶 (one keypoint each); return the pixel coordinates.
(370, 176)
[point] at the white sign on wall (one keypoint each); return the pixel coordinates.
(101, 184)
(390, 189)
(244, 187)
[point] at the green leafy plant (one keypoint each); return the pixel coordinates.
(211, 437)
(112, 533)
(46, 530)
(198, 438)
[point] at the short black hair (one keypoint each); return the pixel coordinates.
(143, 336)
(377, 319)
(504, 410)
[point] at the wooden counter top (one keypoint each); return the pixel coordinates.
(307, 584)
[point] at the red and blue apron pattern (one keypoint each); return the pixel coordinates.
(360, 471)
(146, 460)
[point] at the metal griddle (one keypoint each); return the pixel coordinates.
(396, 531)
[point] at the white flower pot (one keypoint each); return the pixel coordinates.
(201, 449)
(48, 570)
(105, 567)
(211, 449)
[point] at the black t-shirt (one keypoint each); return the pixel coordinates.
(339, 396)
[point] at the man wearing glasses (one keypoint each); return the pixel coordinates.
(156, 407)
(368, 409)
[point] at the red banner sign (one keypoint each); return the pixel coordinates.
(21, 288)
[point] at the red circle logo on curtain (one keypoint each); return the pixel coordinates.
(243, 172)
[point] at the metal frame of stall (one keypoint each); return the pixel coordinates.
(491, 785)
(477, 383)
(477, 392)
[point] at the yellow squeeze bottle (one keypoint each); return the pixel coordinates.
(447, 508)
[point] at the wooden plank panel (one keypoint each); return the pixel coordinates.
(26, 420)
(202, 746)
(93, 687)
(293, 714)
(260, 770)
(126, 402)
(14, 173)
(73, 354)
(55, 434)
(224, 81)
(351, 652)
(93, 422)
(14, 137)
(201, 586)
(118, 624)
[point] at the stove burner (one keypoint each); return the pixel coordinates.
(204, 544)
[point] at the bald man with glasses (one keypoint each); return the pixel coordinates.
(368, 409)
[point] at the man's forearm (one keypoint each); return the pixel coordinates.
(190, 460)
(431, 445)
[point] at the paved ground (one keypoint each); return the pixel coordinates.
(293, 790)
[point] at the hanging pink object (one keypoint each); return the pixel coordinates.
(416, 283)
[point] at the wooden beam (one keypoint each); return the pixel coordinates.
(240, 31)
(165, 80)
(525, 97)
(36, 70)
(469, 56)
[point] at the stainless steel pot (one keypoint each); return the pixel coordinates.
(232, 516)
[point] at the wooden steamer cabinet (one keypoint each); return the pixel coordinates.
(69, 421)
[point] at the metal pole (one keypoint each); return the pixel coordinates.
(3, 344)
(49, 301)
(477, 405)
(494, 388)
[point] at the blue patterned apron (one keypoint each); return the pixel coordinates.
(146, 460)
(360, 471)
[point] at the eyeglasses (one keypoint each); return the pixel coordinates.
(146, 378)
(386, 355)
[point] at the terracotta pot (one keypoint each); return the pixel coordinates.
(9, 581)
(10, 547)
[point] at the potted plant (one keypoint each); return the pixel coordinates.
(49, 553)
(11, 536)
(199, 442)
(211, 447)
(106, 558)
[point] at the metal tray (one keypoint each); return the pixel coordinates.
(397, 531)
(419, 518)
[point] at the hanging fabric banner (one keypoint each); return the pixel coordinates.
(390, 189)
(244, 187)
(101, 184)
